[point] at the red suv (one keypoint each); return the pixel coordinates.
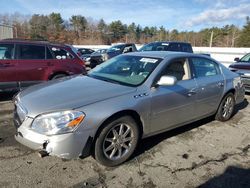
(24, 63)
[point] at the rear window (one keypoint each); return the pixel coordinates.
(174, 47)
(60, 53)
(161, 46)
(204, 67)
(158, 46)
(187, 48)
(6, 51)
(31, 51)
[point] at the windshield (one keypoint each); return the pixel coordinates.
(115, 48)
(125, 69)
(245, 58)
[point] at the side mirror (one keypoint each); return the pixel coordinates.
(236, 59)
(125, 51)
(167, 81)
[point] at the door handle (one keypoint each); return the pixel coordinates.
(191, 92)
(220, 84)
(6, 64)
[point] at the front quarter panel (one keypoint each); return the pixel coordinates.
(98, 113)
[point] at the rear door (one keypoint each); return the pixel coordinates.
(8, 66)
(31, 63)
(210, 85)
(62, 61)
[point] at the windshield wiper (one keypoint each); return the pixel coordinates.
(104, 79)
(111, 81)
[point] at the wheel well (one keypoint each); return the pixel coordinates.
(56, 73)
(230, 91)
(131, 113)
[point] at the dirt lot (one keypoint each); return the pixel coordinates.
(207, 153)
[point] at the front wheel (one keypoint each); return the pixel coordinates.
(226, 108)
(116, 141)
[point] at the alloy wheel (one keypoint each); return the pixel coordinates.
(118, 141)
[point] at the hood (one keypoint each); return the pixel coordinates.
(241, 65)
(68, 93)
(96, 55)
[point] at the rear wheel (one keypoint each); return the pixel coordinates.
(58, 76)
(116, 141)
(226, 108)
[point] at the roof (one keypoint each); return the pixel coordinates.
(30, 41)
(166, 54)
(180, 42)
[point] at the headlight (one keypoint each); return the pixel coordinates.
(237, 82)
(104, 57)
(57, 122)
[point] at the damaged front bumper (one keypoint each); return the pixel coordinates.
(68, 146)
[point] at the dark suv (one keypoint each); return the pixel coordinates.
(168, 46)
(23, 63)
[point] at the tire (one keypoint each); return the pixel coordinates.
(93, 64)
(117, 141)
(58, 76)
(226, 108)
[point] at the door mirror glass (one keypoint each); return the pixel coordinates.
(236, 59)
(167, 81)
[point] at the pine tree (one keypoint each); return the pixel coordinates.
(244, 39)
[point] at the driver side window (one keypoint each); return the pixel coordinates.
(178, 68)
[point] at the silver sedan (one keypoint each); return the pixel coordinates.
(123, 100)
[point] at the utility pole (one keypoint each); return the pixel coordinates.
(211, 39)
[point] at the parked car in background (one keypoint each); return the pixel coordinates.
(84, 53)
(167, 46)
(100, 51)
(97, 53)
(113, 51)
(24, 63)
(242, 67)
(138, 94)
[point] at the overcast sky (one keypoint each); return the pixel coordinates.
(172, 14)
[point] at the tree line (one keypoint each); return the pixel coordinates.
(81, 30)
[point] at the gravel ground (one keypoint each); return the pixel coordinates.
(206, 153)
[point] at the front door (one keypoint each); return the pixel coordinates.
(174, 105)
(8, 67)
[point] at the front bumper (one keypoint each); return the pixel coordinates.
(246, 83)
(239, 93)
(68, 146)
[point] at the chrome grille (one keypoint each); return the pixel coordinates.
(246, 80)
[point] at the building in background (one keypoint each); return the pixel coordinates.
(6, 31)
